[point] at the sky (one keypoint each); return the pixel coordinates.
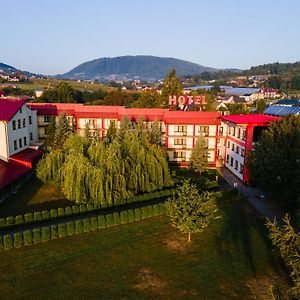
(52, 37)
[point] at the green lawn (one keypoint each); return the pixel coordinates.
(34, 195)
(150, 260)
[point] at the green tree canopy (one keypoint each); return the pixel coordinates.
(190, 211)
(274, 162)
(62, 132)
(171, 85)
(198, 160)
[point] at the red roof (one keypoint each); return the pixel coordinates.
(191, 117)
(54, 109)
(249, 119)
(9, 107)
(10, 172)
(26, 157)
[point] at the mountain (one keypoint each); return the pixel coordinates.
(142, 67)
(7, 68)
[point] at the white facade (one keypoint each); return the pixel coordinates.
(18, 133)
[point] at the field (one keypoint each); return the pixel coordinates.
(150, 259)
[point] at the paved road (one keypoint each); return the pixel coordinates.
(253, 195)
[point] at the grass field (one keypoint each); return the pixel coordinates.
(150, 260)
(32, 196)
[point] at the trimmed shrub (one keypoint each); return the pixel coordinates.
(86, 225)
(18, 240)
(19, 219)
(54, 233)
(94, 223)
(62, 230)
(90, 207)
(1, 243)
(45, 215)
(78, 226)
(36, 235)
(97, 206)
(10, 221)
(37, 216)
(109, 220)
(53, 213)
(101, 222)
(82, 208)
(28, 218)
(7, 241)
(161, 208)
(116, 216)
(27, 238)
(150, 211)
(124, 217)
(138, 214)
(45, 234)
(61, 212)
(144, 212)
(70, 228)
(131, 216)
(155, 210)
(68, 211)
(75, 209)
(2, 222)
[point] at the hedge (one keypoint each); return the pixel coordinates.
(138, 214)
(54, 233)
(109, 220)
(7, 241)
(27, 238)
(53, 213)
(124, 217)
(28, 218)
(68, 211)
(131, 215)
(116, 217)
(78, 226)
(18, 240)
(19, 220)
(45, 215)
(45, 234)
(37, 216)
(61, 212)
(94, 223)
(10, 221)
(86, 225)
(101, 222)
(62, 230)
(36, 235)
(70, 228)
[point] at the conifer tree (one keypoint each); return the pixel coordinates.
(198, 159)
(124, 126)
(63, 130)
(49, 140)
(171, 85)
(155, 134)
(111, 133)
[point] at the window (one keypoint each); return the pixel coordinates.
(237, 149)
(25, 141)
(203, 130)
(244, 135)
(233, 131)
(179, 154)
(227, 158)
(24, 122)
(14, 125)
(231, 161)
(239, 133)
(181, 129)
(241, 168)
(20, 143)
(30, 120)
(242, 152)
(19, 123)
(181, 142)
(15, 145)
(20, 110)
(236, 164)
(228, 144)
(30, 136)
(47, 119)
(221, 131)
(232, 147)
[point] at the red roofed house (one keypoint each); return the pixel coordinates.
(242, 132)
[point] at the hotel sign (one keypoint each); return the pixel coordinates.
(187, 100)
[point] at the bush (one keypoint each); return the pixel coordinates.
(150, 211)
(62, 230)
(97, 206)
(45, 215)
(45, 234)
(7, 242)
(109, 220)
(68, 211)
(70, 228)
(124, 217)
(161, 208)
(37, 216)
(36, 235)
(144, 212)
(1, 243)
(18, 240)
(155, 210)
(78, 226)
(94, 223)
(2, 222)
(53, 213)
(131, 216)
(116, 216)
(101, 222)
(86, 225)
(27, 238)
(82, 208)
(54, 233)
(90, 206)
(10, 221)
(138, 214)
(75, 209)
(19, 220)
(28, 218)
(61, 212)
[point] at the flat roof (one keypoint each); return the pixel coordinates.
(249, 119)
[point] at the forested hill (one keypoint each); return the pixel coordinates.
(276, 69)
(7, 68)
(143, 67)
